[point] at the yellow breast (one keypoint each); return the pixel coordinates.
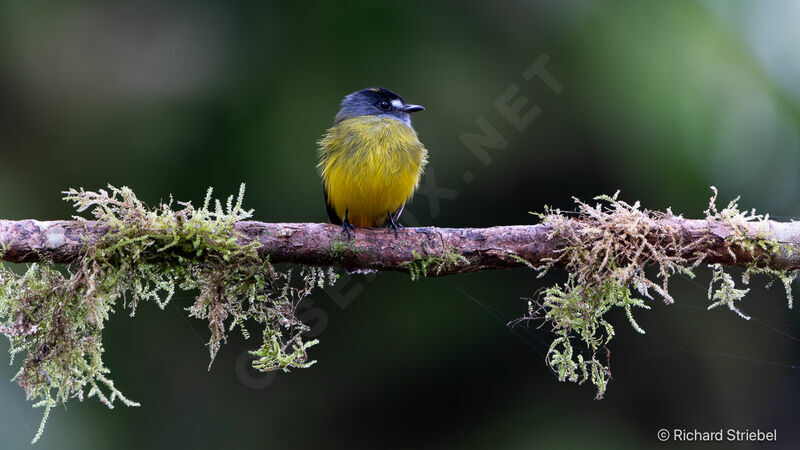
(370, 167)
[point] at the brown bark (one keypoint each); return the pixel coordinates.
(61, 241)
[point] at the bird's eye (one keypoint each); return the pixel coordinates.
(384, 105)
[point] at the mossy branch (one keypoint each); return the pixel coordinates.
(475, 249)
(55, 315)
(55, 312)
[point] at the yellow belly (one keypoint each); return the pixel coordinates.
(370, 168)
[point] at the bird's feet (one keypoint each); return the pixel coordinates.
(347, 227)
(393, 225)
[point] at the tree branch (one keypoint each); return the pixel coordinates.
(501, 247)
(616, 255)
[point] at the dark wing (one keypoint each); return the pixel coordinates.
(332, 217)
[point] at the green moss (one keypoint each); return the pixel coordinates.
(608, 248)
(521, 260)
(434, 263)
(726, 293)
(342, 248)
(55, 316)
(762, 249)
(578, 311)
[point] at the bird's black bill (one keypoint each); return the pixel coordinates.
(412, 108)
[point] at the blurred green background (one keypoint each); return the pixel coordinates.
(659, 99)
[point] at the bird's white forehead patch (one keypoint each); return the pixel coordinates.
(397, 103)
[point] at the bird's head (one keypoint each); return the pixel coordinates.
(376, 101)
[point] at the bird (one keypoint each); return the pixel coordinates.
(370, 160)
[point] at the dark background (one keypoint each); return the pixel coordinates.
(660, 99)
